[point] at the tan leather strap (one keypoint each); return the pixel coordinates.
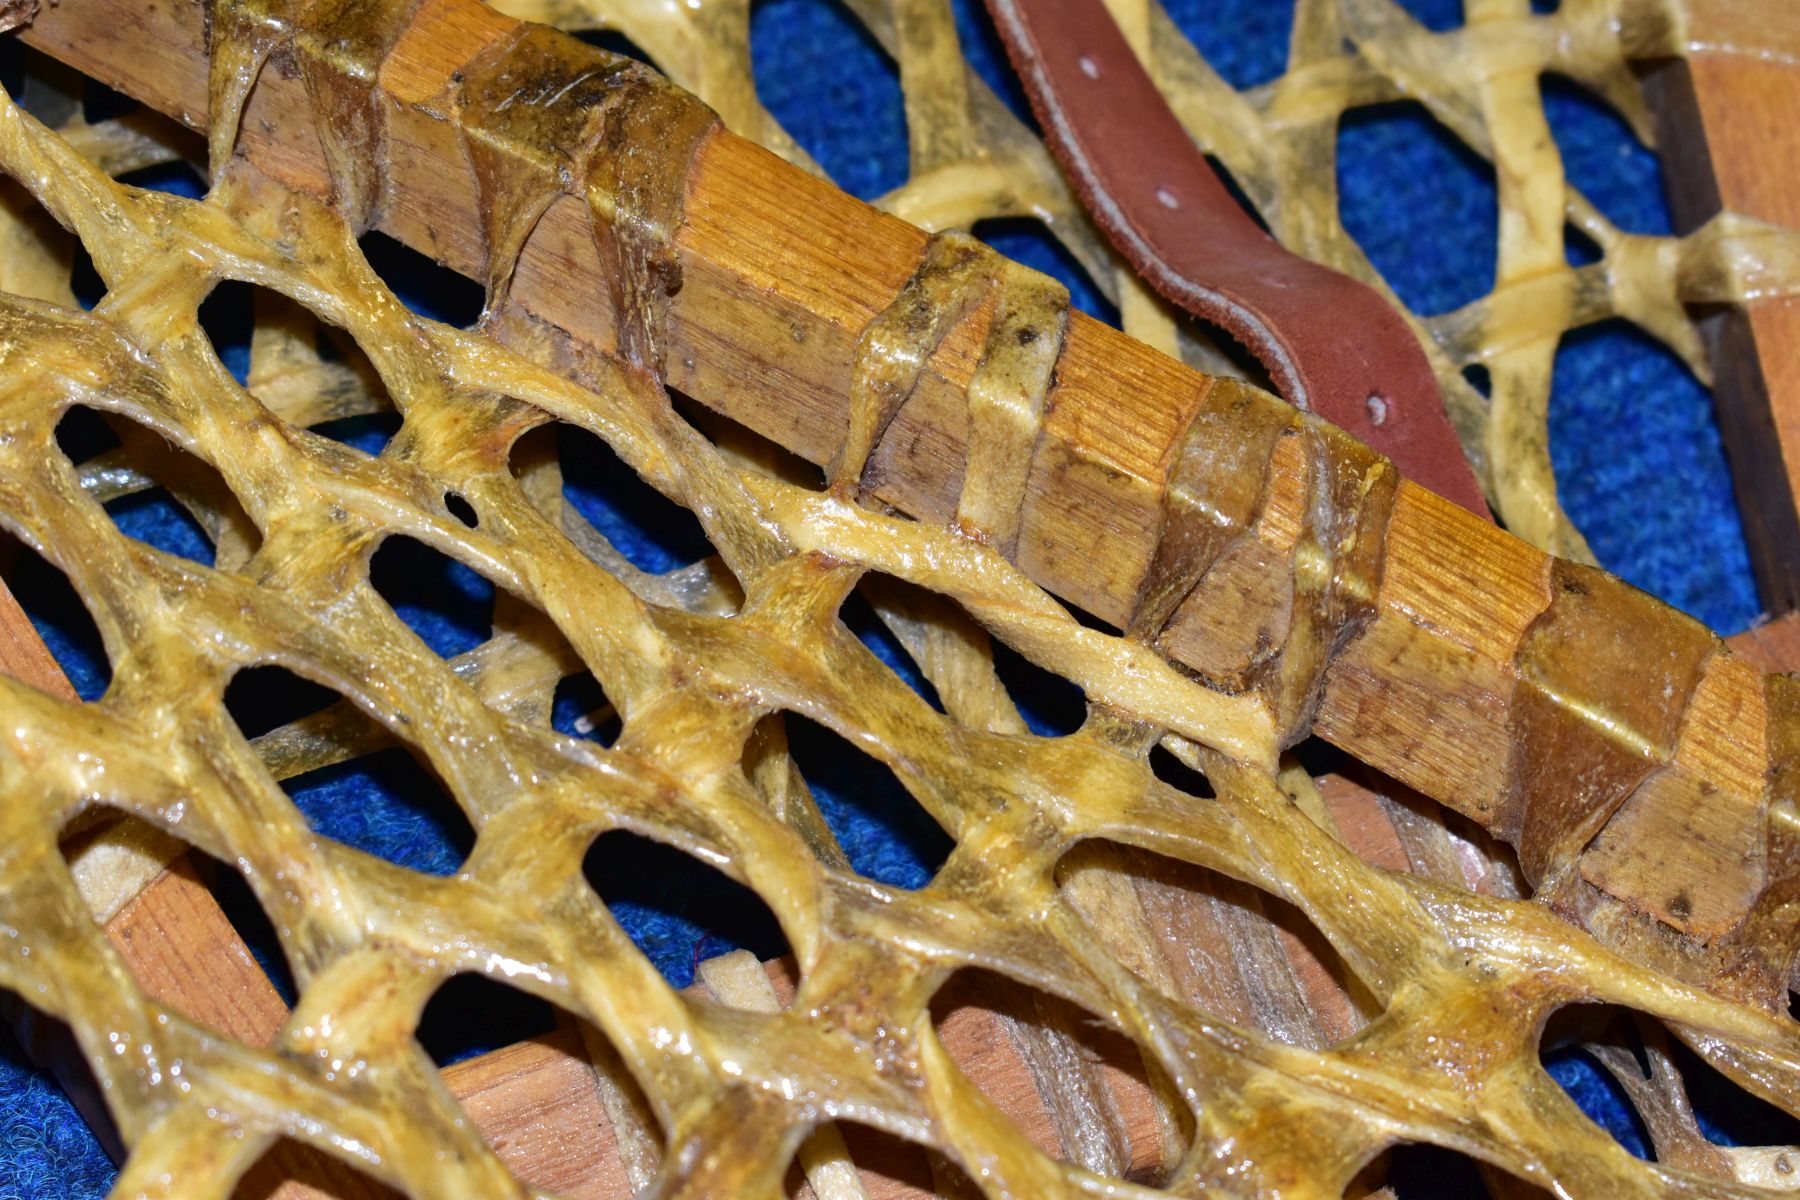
(1332, 345)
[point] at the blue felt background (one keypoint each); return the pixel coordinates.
(1633, 437)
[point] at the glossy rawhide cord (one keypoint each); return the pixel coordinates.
(1456, 984)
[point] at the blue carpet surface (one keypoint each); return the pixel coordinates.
(1633, 437)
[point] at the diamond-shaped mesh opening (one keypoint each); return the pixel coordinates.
(449, 606)
(433, 289)
(680, 910)
(156, 492)
(887, 835)
(346, 775)
(472, 1014)
(607, 499)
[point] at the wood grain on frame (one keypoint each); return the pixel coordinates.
(780, 274)
(1727, 117)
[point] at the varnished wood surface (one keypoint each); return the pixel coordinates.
(1726, 124)
(781, 272)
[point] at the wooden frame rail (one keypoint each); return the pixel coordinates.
(781, 272)
(1725, 116)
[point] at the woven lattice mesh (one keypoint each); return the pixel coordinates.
(1453, 985)
(972, 159)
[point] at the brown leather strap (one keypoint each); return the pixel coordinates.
(1331, 344)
